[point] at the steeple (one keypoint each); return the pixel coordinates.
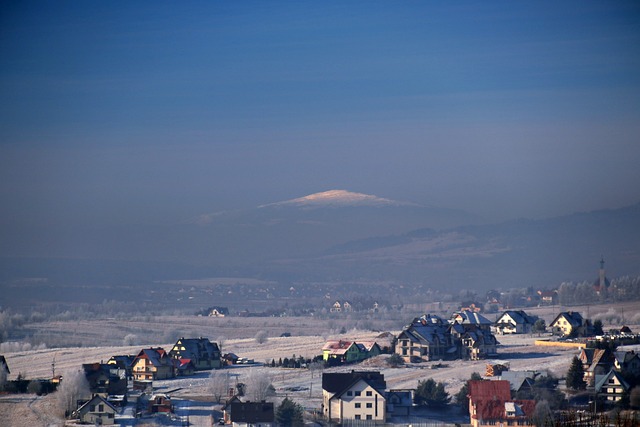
(602, 283)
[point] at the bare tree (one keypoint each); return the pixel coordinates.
(316, 367)
(259, 386)
(262, 337)
(130, 339)
(74, 386)
(218, 385)
(221, 340)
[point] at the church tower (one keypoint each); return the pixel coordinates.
(602, 283)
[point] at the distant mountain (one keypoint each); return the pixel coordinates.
(338, 198)
(310, 225)
(341, 236)
(518, 253)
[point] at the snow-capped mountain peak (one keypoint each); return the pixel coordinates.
(338, 198)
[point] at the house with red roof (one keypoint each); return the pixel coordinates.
(490, 403)
(153, 364)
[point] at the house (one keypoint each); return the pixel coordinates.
(185, 367)
(473, 342)
(153, 364)
(611, 385)
(252, 414)
(336, 307)
(226, 408)
(371, 348)
(518, 380)
(515, 322)
(123, 362)
(159, 403)
(355, 395)
(571, 323)
(341, 351)
(399, 403)
(425, 338)
(548, 297)
(4, 366)
(595, 362)
(97, 411)
(105, 379)
(627, 362)
(490, 403)
(230, 359)
(203, 353)
(218, 312)
(466, 317)
(467, 335)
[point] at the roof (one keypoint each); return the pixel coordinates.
(489, 390)
(156, 356)
(518, 379)
(338, 382)
(471, 317)
(493, 401)
(196, 348)
(400, 397)
(92, 401)
(3, 361)
(252, 412)
(602, 380)
(337, 346)
(624, 357)
(573, 317)
(123, 361)
(518, 316)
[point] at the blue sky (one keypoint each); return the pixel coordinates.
(147, 112)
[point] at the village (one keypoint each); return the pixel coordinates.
(384, 378)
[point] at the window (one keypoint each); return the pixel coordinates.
(358, 405)
(349, 393)
(369, 393)
(358, 417)
(101, 408)
(369, 405)
(358, 393)
(369, 417)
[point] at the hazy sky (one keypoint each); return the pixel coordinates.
(138, 112)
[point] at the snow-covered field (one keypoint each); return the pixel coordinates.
(302, 385)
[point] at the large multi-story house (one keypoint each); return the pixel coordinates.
(515, 322)
(105, 379)
(612, 386)
(355, 395)
(466, 335)
(425, 338)
(490, 403)
(153, 364)
(203, 353)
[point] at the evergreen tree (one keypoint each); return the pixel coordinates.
(575, 375)
(597, 327)
(289, 414)
(430, 393)
(539, 327)
(462, 397)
